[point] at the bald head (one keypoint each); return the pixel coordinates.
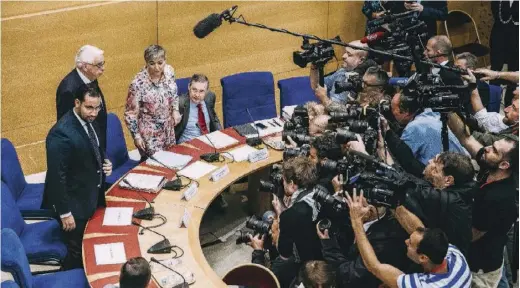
(438, 48)
(353, 57)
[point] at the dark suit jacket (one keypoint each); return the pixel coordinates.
(69, 86)
(72, 182)
(184, 110)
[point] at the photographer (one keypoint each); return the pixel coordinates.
(297, 241)
(384, 234)
(443, 264)
(446, 205)
(492, 121)
(351, 59)
(422, 129)
(495, 204)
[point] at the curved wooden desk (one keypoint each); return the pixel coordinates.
(169, 204)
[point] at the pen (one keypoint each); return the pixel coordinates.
(276, 122)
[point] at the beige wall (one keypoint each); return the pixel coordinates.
(39, 40)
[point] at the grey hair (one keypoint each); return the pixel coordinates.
(154, 52)
(471, 60)
(442, 43)
(87, 54)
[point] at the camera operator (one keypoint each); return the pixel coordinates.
(385, 235)
(495, 203)
(375, 86)
(422, 129)
(467, 61)
(297, 241)
(444, 201)
(351, 59)
(438, 50)
(443, 264)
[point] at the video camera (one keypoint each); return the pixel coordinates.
(299, 122)
(318, 53)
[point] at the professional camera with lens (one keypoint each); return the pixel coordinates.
(339, 167)
(299, 138)
(353, 83)
(259, 226)
(322, 196)
(304, 150)
(299, 122)
(243, 239)
(318, 53)
(369, 138)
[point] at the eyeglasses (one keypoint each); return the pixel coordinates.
(98, 65)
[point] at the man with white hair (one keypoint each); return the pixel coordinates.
(90, 64)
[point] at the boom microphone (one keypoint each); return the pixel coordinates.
(210, 23)
(373, 37)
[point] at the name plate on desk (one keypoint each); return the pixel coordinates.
(219, 173)
(190, 192)
(185, 219)
(258, 155)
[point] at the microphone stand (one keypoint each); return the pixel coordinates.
(240, 20)
(209, 157)
(146, 213)
(174, 185)
(161, 247)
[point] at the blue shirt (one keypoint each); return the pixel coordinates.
(423, 136)
(339, 75)
(192, 131)
(458, 274)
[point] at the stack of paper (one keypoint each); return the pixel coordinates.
(218, 139)
(197, 170)
(287, 111)
(170, 159)
(239, 154)
(144, 182)
(118, 216)
(113, 253)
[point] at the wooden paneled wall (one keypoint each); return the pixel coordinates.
(40, 39)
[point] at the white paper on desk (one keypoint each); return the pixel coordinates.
(197, 170)
(287, 111)
(239, 154)
(145, 182)
(271, 126)
(219, 140)
(170, 159)
(118, 216)
(113, 253)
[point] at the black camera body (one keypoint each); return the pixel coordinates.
(318, 53)
(259, 226)
(304, 150)
(353, 83)
(322, 196)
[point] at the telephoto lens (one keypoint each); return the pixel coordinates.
(343, 136)
(258, 226)
(266, 186)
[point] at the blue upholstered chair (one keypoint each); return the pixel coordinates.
(116, 150)
(15, 262)
(495, 98)
(27, 196)
(41, 240)
(253, 91)
(295, 91)
(182, 85)
(9, 284)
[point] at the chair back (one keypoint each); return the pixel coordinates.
(295, 91)
(9, 284)
(495, 98)
(11, 215)
(251, 275)
(12, 173)
(249, 91)
(117, 152)
(462, 31)
(14, 260)
(182, 85)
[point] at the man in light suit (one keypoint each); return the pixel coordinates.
(90, 65)
(76, 171)
(198, 115)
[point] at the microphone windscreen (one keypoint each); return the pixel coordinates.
(207, 25)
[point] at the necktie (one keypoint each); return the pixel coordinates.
(202, 121)
(93, 142)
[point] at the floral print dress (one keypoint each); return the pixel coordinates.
(149, 110)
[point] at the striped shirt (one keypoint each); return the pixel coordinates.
(458, 274)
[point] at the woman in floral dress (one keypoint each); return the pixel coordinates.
(152, 104)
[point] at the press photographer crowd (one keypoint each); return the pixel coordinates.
(402, 181)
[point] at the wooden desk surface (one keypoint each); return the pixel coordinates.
(169, 204)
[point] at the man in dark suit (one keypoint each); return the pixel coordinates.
(438, 50)
(197, 109)
(89, 67)
(76, 171)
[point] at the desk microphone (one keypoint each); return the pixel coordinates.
(174, 185)
(209, 157)
(255, 141)
(143, 214)
(184, 283)
(161, 247)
